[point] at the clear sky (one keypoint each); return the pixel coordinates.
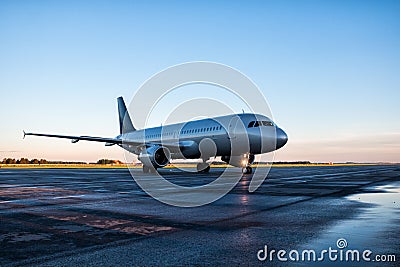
(329, 69)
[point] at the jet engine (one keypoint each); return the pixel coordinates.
(239, 161)
(155, 156)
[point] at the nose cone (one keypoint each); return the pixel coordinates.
(281, 138)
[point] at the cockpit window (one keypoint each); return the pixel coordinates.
(267, 123)
(260, 123)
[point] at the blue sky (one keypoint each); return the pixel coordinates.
(329, 69)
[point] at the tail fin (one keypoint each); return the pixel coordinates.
(125, 122)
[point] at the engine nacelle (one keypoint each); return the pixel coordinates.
(239, 161)
(155, 156)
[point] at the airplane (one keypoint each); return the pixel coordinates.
(236, 138)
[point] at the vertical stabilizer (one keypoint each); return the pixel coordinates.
(125, 122)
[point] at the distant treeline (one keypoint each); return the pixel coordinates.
(289, 162)
(23, 161)
(266, 162)
(44, 161)
(117, 162)
(108, 161)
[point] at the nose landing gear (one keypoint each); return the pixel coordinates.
(247, 170)
(203, 167)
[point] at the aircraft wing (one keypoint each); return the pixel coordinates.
(110, 141)
(117, 141)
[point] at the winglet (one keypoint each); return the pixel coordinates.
(125, 122)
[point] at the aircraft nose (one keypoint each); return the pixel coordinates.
(281, 138)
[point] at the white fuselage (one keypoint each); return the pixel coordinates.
(231, 135)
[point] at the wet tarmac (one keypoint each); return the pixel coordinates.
(100, 217)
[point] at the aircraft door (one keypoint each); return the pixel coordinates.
(233, 128)
(238, 137)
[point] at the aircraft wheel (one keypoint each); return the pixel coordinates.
(203, 167)
(247, 170)
(207, 169)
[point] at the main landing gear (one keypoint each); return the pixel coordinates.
(247, 170)
(203, 167)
